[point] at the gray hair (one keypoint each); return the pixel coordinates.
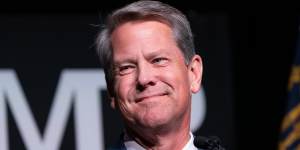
(143, 10)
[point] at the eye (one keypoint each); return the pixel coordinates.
(160, 61)
(125, 69)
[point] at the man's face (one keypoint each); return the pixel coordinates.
(153, 85)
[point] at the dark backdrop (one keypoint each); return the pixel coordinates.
(247, 59)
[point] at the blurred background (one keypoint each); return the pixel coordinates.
(247, 56)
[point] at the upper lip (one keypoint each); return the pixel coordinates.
(144, 96)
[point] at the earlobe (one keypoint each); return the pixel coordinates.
(195, 73)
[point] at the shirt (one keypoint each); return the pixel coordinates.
(133, 145)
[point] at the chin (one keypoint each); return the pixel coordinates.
(155, 120)
(155, 115)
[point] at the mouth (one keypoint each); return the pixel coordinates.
(145, 97)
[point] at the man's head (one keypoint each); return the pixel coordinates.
(144, 10)
(151, 69)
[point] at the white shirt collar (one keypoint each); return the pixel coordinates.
(132, 145)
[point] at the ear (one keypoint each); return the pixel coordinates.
(195, 73)
(112, 102)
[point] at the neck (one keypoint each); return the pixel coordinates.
(162, 138)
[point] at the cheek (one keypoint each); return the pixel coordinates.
(176, 77)
(124, 92)
(124, 85)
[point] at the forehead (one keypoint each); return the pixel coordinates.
(143, 35)
(141, 28)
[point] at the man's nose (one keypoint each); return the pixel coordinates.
(146, 76)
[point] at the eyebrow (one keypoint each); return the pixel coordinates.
(127, 60)
(157, 53)
(149, 55)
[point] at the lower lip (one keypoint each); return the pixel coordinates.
(151, 97)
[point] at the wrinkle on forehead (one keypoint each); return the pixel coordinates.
(146, 37)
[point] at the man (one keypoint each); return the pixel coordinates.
(151, 70)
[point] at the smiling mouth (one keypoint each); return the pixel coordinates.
(142, 98)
